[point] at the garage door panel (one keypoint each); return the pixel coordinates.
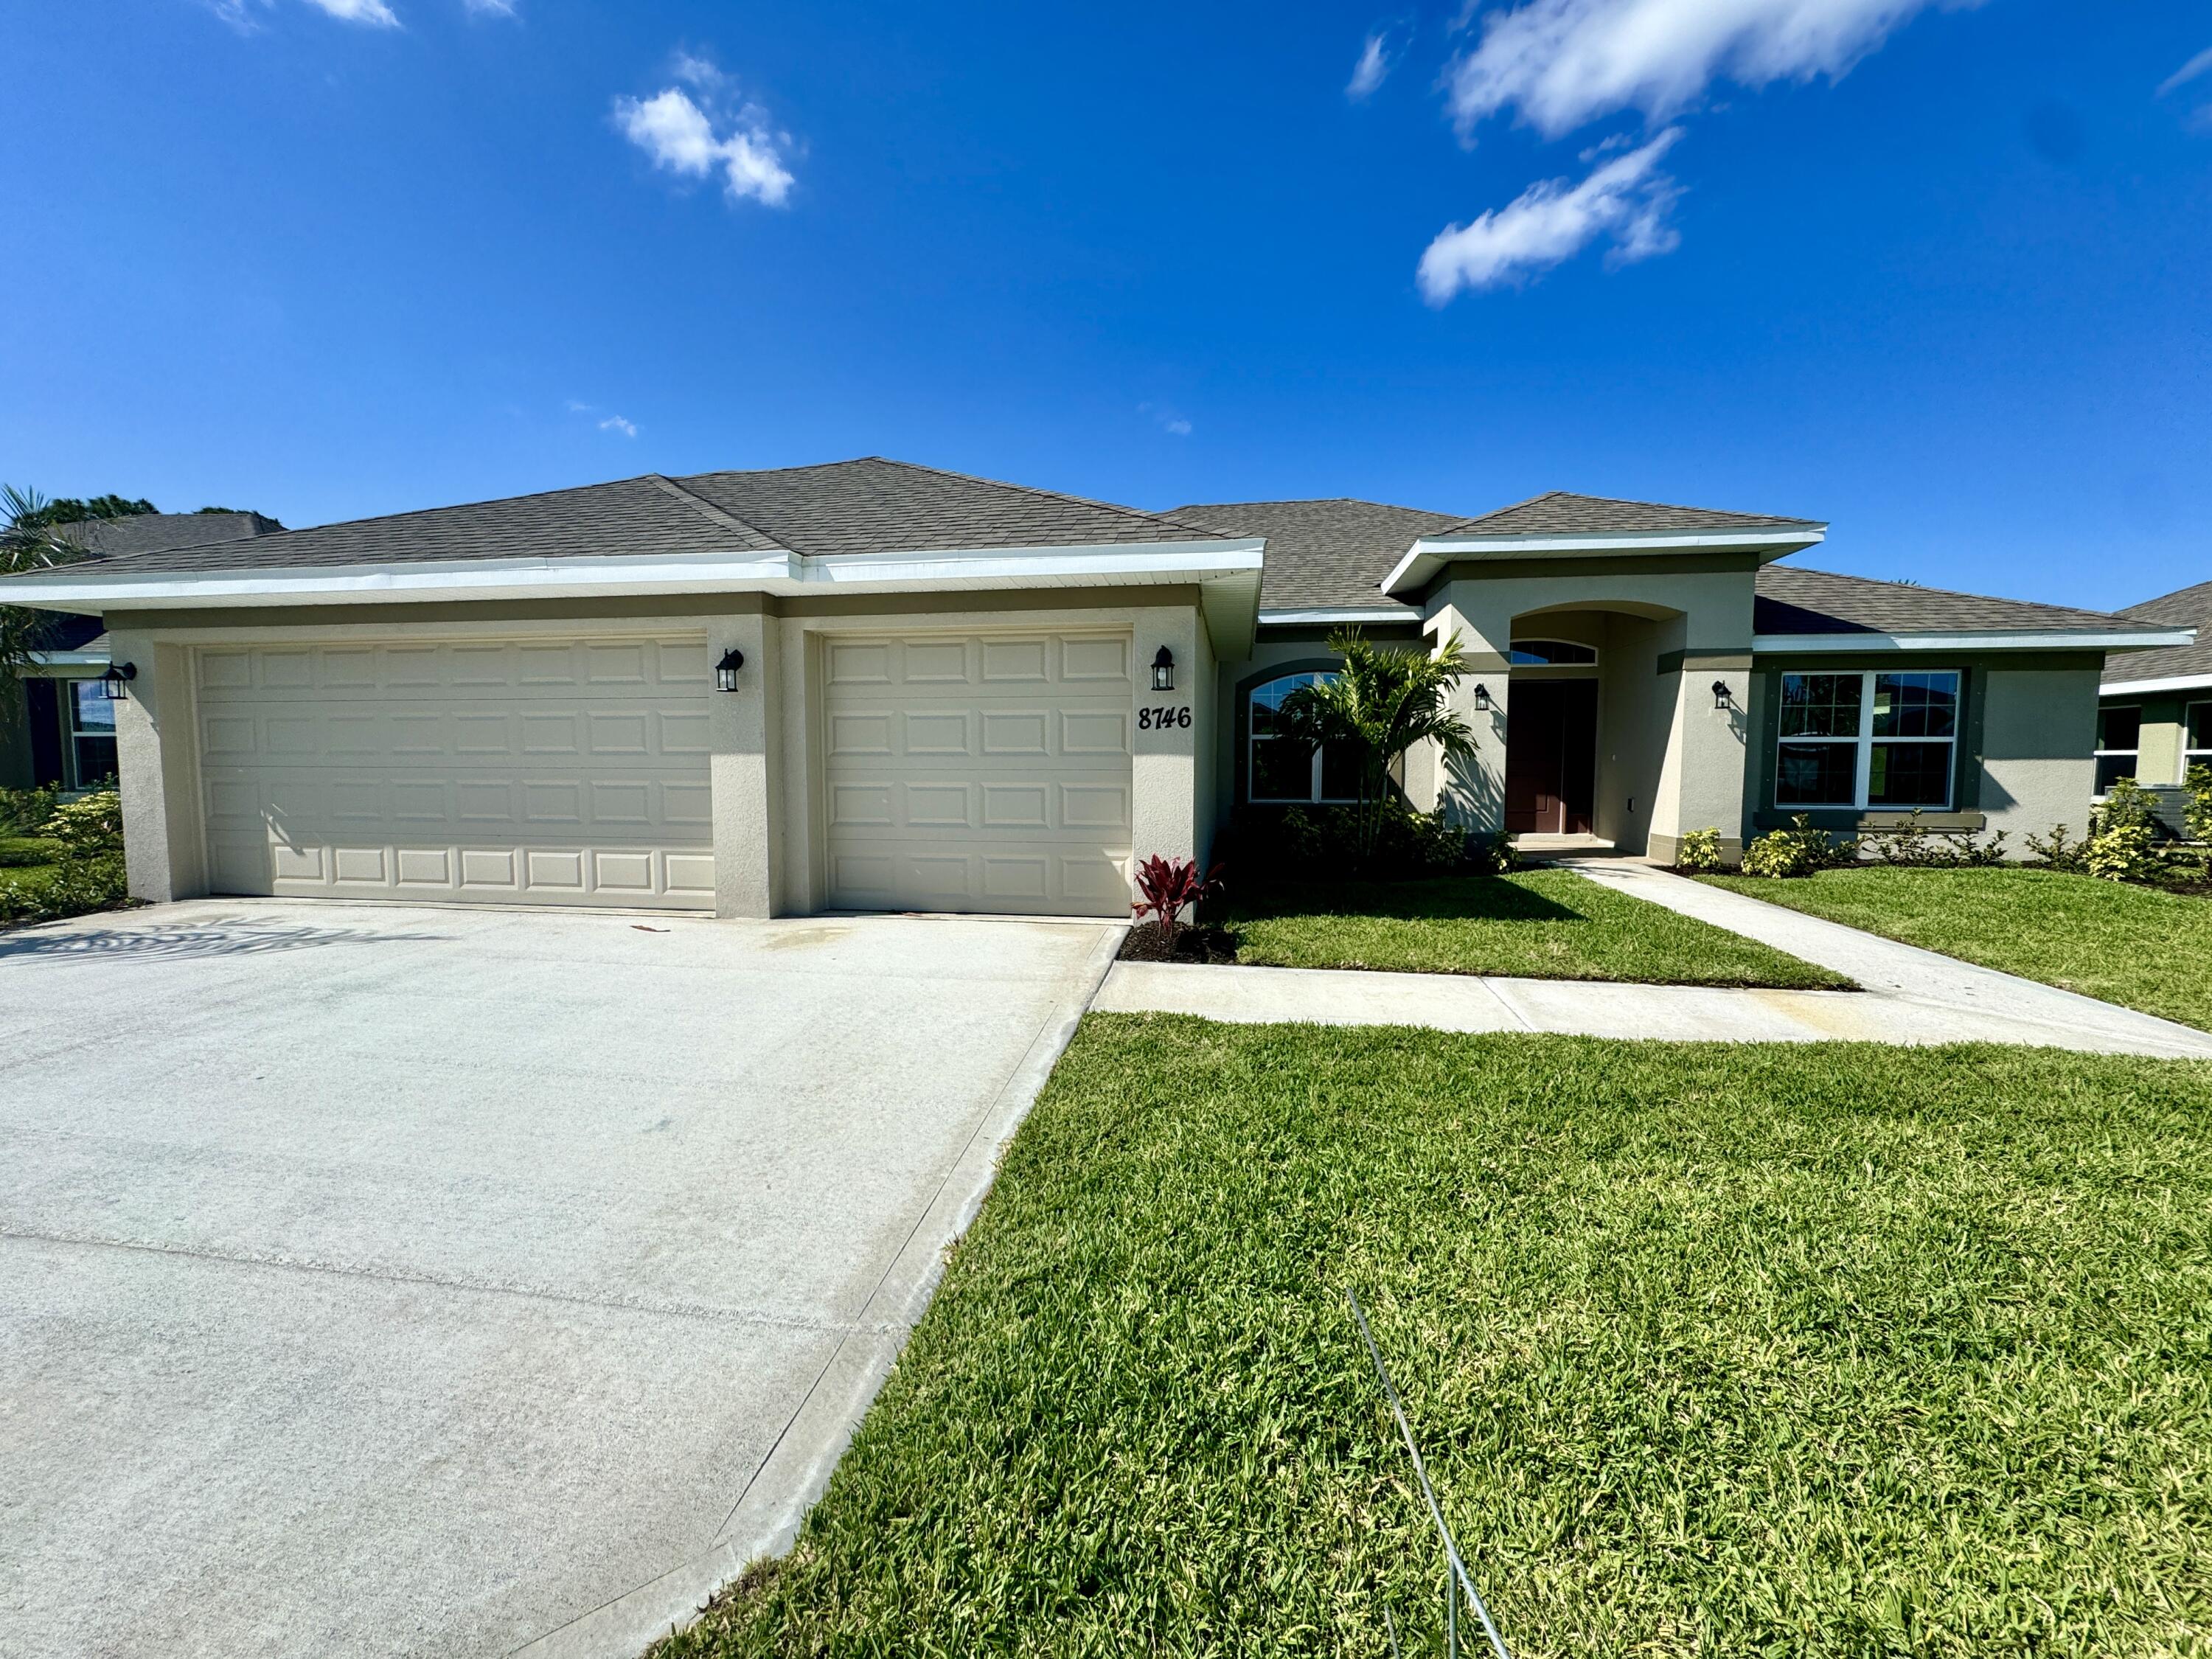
(985, 772)
(532, 772)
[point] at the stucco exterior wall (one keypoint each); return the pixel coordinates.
(2165, 732)
(2039, 728)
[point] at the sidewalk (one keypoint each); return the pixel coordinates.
(1911, 995)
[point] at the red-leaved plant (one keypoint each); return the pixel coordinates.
(1167, 887)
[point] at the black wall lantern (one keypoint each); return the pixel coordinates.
(1482, 699)
(1164, 669)
(119, 675)
(725, 671)
(1721, 699)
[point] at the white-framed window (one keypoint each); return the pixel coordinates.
(2119, 745)
(2196, 738)
(1550, 653)
(91, 733)
(1281, 770)
(1876, 740)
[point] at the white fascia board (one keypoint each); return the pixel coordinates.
(776, 572)
(2079, 639)
(1431, 553)
(67, 659)
(2151, 688)
(1294, 618)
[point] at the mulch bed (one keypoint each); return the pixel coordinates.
(1192, 943)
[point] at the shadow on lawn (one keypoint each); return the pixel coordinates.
(1442, 898)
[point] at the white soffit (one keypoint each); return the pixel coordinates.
(1233, 564)
(2151, 688)
(2055, 639)
(1432, 554)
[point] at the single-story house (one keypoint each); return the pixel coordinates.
(2154, 708)
(872, 685)
(57, 725)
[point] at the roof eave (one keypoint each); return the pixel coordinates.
(1432, 553)
(2201, 681)
(1964, 639)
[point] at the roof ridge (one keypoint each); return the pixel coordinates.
(1632, 501)
(1946, 592)
(1317, 500)
(762, 542)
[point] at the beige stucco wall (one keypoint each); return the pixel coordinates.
(764, 765)
(1700, 607)
(2039, 728)
(2165, 732)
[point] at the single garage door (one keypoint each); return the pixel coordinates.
(983, 772)
(538, 771)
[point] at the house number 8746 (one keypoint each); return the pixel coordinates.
(1153, 720)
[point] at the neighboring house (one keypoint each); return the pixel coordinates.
(871, 685)
(2155, 708)
(56, 724)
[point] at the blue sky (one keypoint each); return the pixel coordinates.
(1941, 274)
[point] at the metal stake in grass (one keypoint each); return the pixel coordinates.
(1458, 1568)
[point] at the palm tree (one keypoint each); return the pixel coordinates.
(28, 542)
(1379, 705)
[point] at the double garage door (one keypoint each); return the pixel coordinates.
(983, 772)
(533, 771)
(975, 771)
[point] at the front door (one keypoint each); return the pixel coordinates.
(1551, 757)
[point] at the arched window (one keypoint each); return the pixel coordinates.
(1550, 653)
(1281, 770)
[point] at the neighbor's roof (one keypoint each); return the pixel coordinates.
(156, 532)
(2191, 607)
(1791, 600)
(1324, 555)
(1562, 512)
(870, 505)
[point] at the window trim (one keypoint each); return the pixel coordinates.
(1252, 738)
(74, 735)
(2193, 756)
(2100, 753)
(1513, 645)
(1862, 742)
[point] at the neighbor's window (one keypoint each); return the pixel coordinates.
(1549, 653)
(2197, 749)
(1873, 740)
(2119, 741)
(1282, 771)
(92, 734)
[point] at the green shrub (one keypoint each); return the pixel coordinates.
(25, 812)
(2129, 852)
(1797, 851)
(75, 887)
(2198, 813)
(2128, 806)
(26, 852)
(2058, 849)
(90, 825)
(1915, 844)
(1492, 855)
(1700, 850)
(1325, 842)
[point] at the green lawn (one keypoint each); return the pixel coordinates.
(2133, 946)
(1722, 1350)
(1540, 924)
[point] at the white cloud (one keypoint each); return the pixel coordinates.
(615, 423)
(372, 12)
(2188, 72)
(1374, 65)
(1626, 200)
(681, 135)
(491, 7)
(1561, 62)
(1168, 420)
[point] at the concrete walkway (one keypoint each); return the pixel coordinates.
(1911, 995)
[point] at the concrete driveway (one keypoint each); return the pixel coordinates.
(381, 1281)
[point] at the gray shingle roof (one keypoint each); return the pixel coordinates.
(1562, 512)
(1326, 555)
(154, 532)
(870, 505)
(1790, 599)
(2190, 607)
